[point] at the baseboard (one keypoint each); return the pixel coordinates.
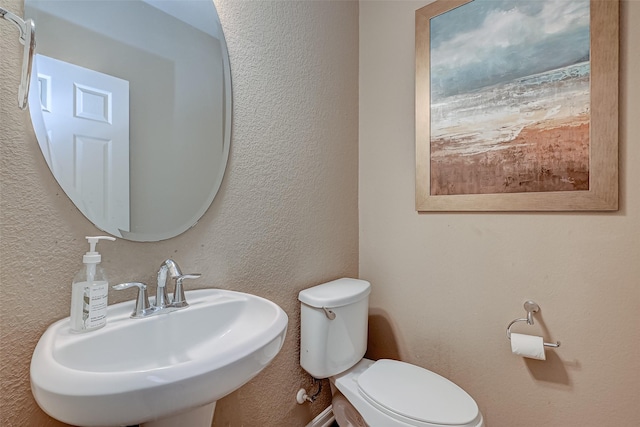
(324, 419)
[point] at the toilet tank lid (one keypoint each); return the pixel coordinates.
(336, 293)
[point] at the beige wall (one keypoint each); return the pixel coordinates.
(285, 218)
(446, 285)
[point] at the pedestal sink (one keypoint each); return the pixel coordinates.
(167, 369)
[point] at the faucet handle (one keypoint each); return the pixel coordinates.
(179, 299)
(143, 308)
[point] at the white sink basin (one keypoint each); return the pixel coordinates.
(138, 370)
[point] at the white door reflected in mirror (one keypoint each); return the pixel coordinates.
(86, 119)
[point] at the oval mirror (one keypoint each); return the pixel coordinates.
(131, 104)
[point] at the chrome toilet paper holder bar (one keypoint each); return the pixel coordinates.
(530, 307)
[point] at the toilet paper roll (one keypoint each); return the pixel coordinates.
(528, 346)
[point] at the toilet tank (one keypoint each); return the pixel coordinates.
(333, 326)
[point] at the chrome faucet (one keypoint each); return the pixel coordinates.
(162, 302)
(172, 268)
(179, 300)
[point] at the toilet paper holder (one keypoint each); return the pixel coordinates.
(530, 307)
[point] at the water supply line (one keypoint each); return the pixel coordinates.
(302, 395)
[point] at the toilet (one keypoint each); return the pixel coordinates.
(382, 393)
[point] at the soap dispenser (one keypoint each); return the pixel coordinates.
(89, 291)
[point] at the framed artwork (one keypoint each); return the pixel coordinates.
(517, 105)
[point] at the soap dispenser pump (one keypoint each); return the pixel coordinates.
(90, 291)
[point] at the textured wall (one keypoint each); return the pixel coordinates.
(446, 285)
(285, 217)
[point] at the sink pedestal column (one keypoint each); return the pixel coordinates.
(197, 417)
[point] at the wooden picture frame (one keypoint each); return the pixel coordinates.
(602, 154)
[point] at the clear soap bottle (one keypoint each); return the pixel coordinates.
(89, 291)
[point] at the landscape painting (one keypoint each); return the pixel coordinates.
(510, 98)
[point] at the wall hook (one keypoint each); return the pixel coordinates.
(28, 39)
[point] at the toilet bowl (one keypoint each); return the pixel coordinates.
(383, 393)
(344, 412)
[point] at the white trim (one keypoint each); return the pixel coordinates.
(324, 419)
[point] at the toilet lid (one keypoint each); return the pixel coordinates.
(416, 393)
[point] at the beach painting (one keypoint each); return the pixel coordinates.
(510, 97)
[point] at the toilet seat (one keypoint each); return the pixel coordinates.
(397, 394)
(416, 395)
